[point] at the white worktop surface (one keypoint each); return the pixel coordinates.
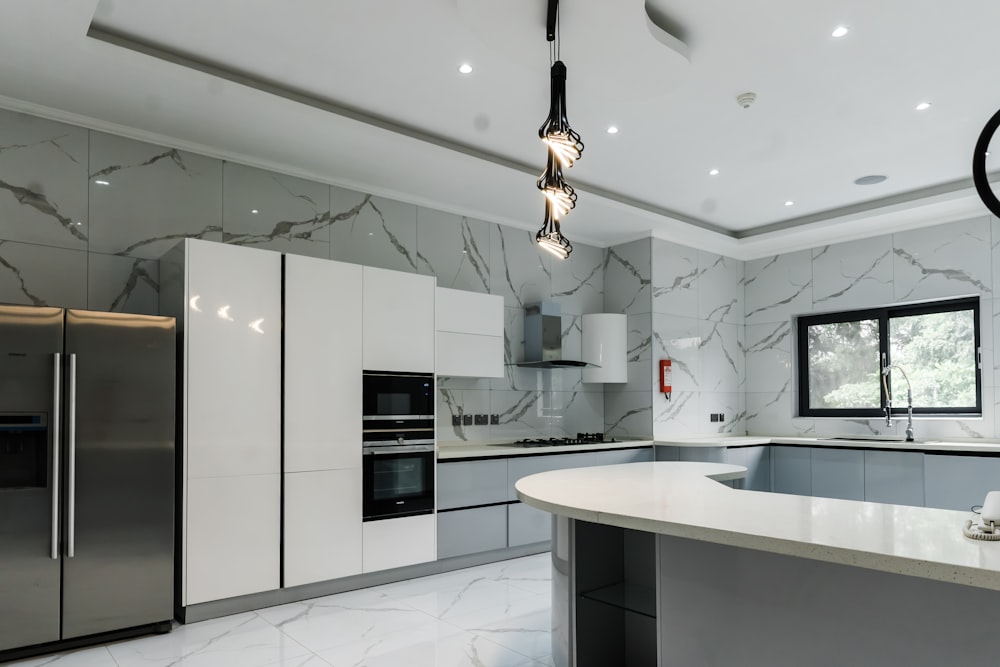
(677, 498)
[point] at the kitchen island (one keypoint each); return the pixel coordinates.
(656, 563)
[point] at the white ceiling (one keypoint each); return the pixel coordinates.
(368, 95)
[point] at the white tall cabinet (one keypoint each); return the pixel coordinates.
(322, 473)
(398, 321)
(227, 301)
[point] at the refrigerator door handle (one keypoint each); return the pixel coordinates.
(54, 421)
(71, 461)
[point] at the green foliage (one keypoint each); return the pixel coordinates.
(936, 351)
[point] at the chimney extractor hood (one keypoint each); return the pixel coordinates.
(543, 338)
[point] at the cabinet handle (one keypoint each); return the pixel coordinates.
(54, 419)
(71, 460)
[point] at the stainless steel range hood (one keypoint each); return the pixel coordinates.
(543, 338)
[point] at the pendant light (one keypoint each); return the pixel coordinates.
(564, 149)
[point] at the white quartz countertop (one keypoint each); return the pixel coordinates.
(929, 445)
(468, 450)
(678, 498)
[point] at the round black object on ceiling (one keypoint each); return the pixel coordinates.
(979, 176)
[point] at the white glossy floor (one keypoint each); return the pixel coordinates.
(493, 615)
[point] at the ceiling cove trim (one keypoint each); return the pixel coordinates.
(124, 41)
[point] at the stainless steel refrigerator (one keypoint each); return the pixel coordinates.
(86, 473)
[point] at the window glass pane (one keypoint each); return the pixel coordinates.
(844, 365)
(938, 354)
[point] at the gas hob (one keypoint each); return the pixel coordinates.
(580, 439)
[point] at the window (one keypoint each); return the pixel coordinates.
(935, 345)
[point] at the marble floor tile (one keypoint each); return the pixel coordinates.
(494, 615)
(88, 657)
(243, 640)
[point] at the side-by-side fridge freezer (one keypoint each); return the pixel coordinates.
(86, 473)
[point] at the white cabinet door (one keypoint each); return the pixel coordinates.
(398, 321)
(460, 311)
(322, 525)
(322, 364)
(232, 368)
(232, 537)
(397, 542)
(469, 355)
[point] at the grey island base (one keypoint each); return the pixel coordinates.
(657, 564)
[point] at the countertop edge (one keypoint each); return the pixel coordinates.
(792, 508)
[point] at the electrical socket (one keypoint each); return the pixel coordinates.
(456, 420)
(482, 420)
(495, 420)
(713, 417)
(466, 420)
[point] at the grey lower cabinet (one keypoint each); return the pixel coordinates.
(477, 505)
(959, 482)
(471, 530)
(838, 473)
(791, 470)
(896, 478)
(527, 525)
(757, 461)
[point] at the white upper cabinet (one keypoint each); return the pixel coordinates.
(605, 337)
(398, 321)
(323, 316)
(469, 333)
(232, 373)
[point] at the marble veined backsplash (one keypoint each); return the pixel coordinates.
(85, 215)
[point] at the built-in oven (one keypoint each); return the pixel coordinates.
(398, 444)
(398, 481)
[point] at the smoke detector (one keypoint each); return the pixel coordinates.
(746, 99)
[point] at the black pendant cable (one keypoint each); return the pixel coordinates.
(564, 148)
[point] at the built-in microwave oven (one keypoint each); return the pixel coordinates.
(398, 395)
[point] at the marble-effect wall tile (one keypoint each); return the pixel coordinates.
(945, 260)
(768, 349)
(123, 284)
(628, 414)
(520, 271)
(262, 209)
(373, 231)
(770, 413)
(720, 288)
(454, 248)
(578, 282)
(627, 278)
(680, 340)
(43, 181)
(857, 274)
(144, 198)
(36, 275)
(776, 288)
(675, 279)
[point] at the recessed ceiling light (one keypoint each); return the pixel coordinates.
(102, 183)
(871, 179)
(789, 202)
(465, 68)
(923, 106)
(613, 130)
(840, 31)
(254, 211)
(713, 172)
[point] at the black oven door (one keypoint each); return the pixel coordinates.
(398, 395)
(398, 482)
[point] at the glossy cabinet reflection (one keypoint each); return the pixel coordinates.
(227, 301)
(469, 333)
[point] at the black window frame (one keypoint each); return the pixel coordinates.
(883, 315)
